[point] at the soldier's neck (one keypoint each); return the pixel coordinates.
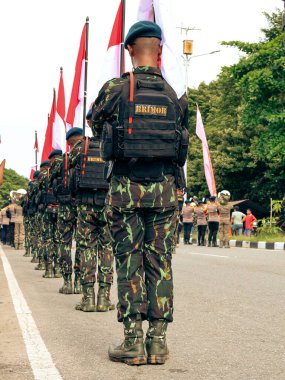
(145, 61)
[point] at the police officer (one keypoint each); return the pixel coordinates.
(145, 138)
(93, 241)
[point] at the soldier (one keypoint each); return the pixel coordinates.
(92, 234)
(213, 222)
(62, 178)
(52, 268)
(224, 209)
(33, 215)
(40, 223)
(145, 140)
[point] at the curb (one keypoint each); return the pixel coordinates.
(280, 246)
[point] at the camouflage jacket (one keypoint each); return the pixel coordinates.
(124, 192)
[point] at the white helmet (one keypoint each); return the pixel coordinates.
(22, 191)
(224, 195)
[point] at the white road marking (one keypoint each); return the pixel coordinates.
(207, 254)
(39, 357)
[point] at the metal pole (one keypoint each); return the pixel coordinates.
(85, 74)
(36, 150)
(271, 211)
(122, 57)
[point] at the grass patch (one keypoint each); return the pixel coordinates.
(268, 238)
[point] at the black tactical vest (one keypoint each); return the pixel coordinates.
(149, 125)
(62, 184)
(48, 198)
(91, 171)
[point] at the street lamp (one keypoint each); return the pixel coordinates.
(187, 58)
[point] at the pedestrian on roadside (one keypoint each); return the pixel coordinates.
(248, 219)
(187, 214)
(236, 221)
(201, 222)
(213, 222)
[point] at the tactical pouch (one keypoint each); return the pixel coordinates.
(107, 142)
(146, 172)
(180, 181)
(184, 141)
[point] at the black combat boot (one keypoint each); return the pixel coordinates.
(131, 351)
(209, 244)
(77, 284)
(49, 271)
(27, 252)
(88, 300)
(215, 243)
(67, 285)
(186, 241)
(35, 258)
(41, 264)
(156, 347)
(103, 298)
(57, 270)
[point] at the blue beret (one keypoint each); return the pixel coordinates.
(44, 163)
(56, 152)
(187, 201)
(89, 114)
(74, 132)
(212, 198)
(142, 29)
(36, 174)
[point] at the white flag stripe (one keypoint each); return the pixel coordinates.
(58, 136)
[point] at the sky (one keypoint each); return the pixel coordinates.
(38, 37)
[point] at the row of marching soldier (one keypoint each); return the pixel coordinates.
(66, 200)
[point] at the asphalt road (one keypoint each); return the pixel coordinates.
(229, 321)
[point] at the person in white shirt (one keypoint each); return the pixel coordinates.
(236, 221)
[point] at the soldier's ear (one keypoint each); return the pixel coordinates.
(131, 50)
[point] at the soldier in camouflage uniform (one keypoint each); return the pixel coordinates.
(39, 221)
(142, 200)
(32, 210)
(92, 234)
(61, 178)
(49, 232)
(26, 214)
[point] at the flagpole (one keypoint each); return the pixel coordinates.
(85, 74)
(122, 58)
(36, 150)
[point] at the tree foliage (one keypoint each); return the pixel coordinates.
(11, 181)
(243, 113)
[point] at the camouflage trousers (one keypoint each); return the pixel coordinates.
(27, 241)
(50, 235)
(35, 233)
(31, 235)
(93, 241)
(39, 234)
(143, 244)
(66, 222)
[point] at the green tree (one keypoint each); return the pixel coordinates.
(243, 113)
(11, 181)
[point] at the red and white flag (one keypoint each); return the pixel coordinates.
(209, 174)
(59, 129)
(75, 109)
(47, 148)
(33, 169)
(171, 65)
(112, 62)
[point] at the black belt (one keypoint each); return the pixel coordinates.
(124, 167)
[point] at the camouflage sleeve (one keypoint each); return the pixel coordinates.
(106, 106)
(74, 155)
(56, 169)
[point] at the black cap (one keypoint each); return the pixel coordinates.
(36, 174)
(142, 29)
(89, 114)
(74, 132)
(56, 152)
(44, 163)
(212, 198)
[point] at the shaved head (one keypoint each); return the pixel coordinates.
(145, 51)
